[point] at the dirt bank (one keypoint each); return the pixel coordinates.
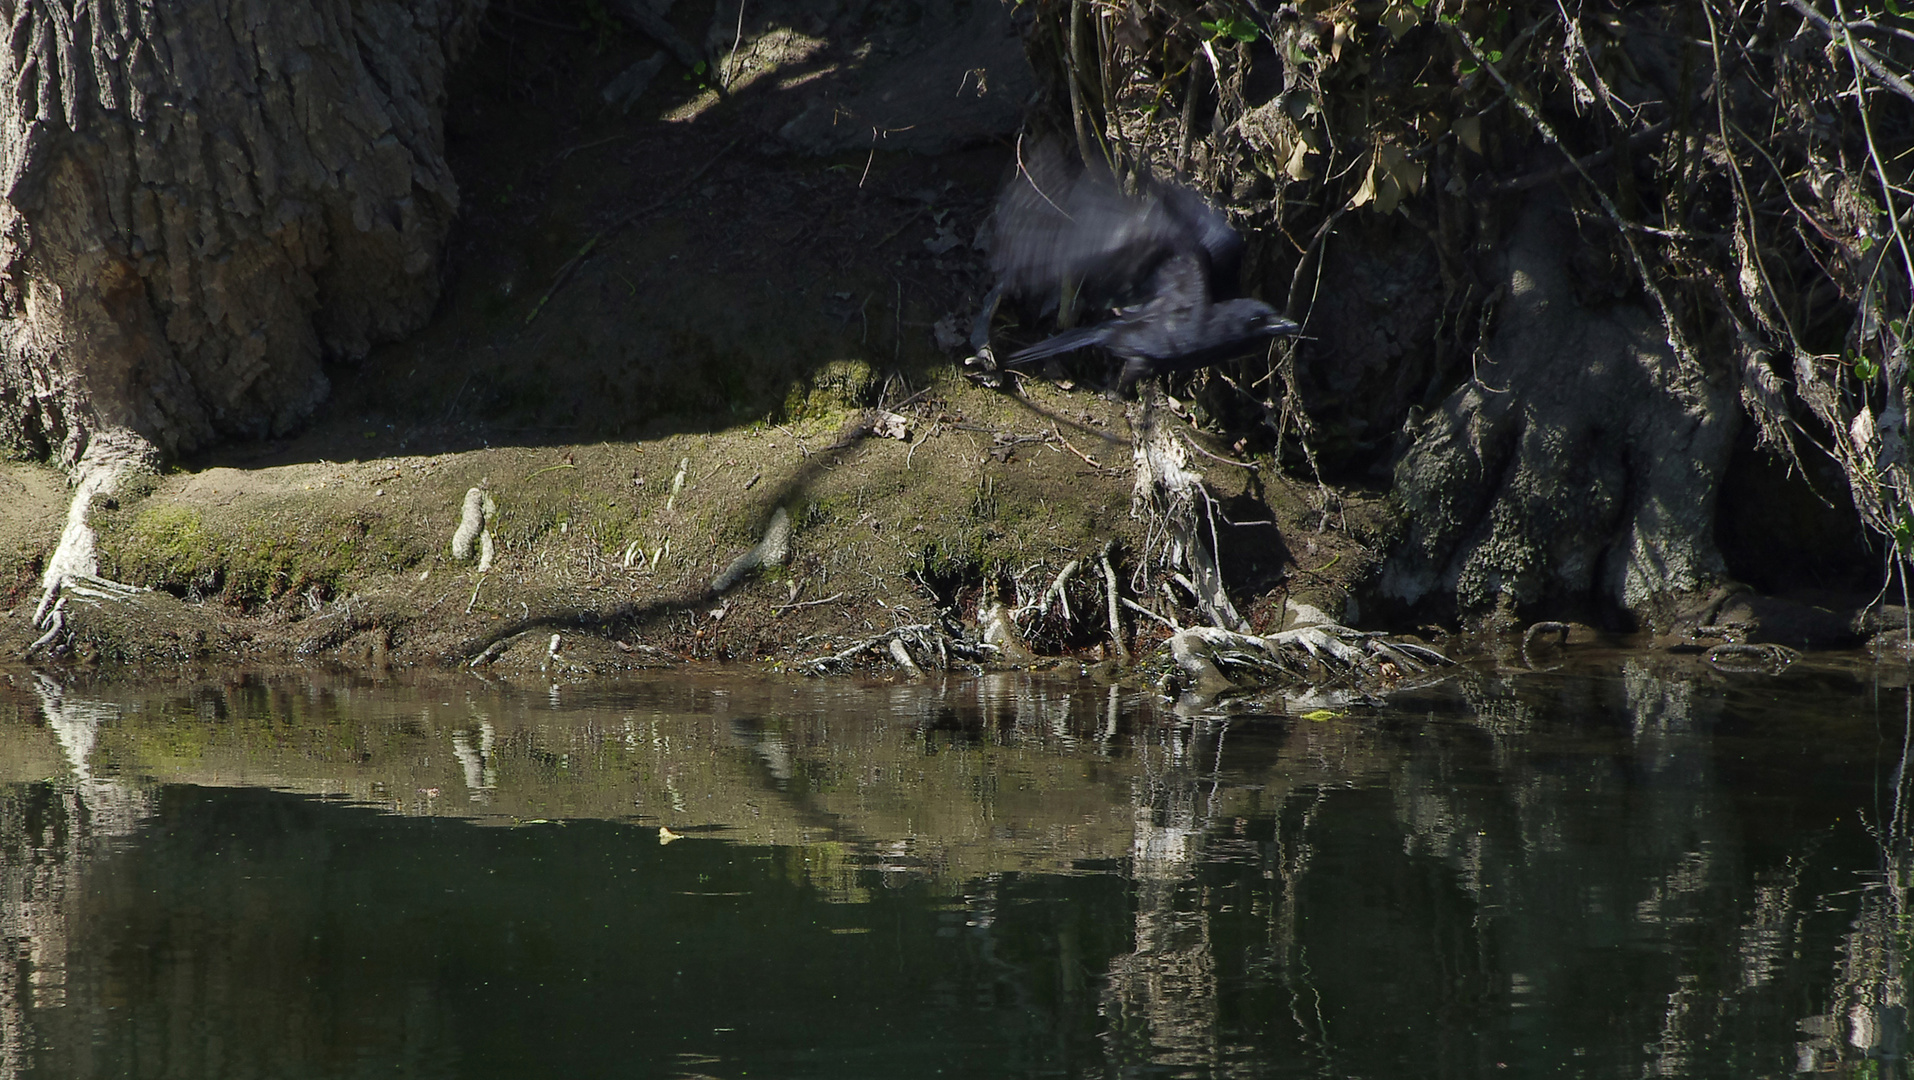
(667, 321)
(707, 315)
(611, 548)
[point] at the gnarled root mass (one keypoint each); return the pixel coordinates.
(1311, 649)
(1550, 262)
(1317, 651)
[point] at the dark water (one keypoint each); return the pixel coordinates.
(1627, 870)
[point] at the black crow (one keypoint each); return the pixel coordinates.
(1163, 261)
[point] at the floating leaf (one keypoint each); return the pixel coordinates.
(1321, 715)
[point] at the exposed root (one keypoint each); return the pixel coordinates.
(1116, 613)
(772, 550)
(916, 640)
(1536, 632)
(1319, 652)
(1767, 658)
(73, 569)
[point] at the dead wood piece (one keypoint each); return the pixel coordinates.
(1769, 658)
(927, 638)
(1317, 654)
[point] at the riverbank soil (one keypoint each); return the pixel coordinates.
(672, 323)
(693, 391)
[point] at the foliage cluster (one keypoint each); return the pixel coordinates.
(1740, 169)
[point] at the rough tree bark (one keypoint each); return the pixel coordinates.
(204, 201)
(1577, 467)
(199, 204)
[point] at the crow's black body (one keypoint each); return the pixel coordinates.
(1163, 259)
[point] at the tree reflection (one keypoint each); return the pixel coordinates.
(1648, 868)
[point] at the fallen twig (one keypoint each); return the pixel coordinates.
(926, 636)
(1194, 445)
(1057, 433)
(781, 608)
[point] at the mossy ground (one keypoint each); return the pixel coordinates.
(351, 560)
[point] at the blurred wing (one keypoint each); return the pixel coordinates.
(1209, 229)
(1056, 224)
(1179, 289)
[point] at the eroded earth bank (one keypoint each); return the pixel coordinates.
(693, 384)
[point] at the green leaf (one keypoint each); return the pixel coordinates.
(1231, 27)
(1893, 9)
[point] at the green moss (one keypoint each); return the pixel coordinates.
(836, 387)
(172, 548)
(166, 547)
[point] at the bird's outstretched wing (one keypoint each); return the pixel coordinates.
(1057, 224)
(1068, 341)
(1178, 295)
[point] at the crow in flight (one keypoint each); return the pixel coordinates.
(1163, 261)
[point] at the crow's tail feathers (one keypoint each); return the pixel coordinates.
(1068, 341)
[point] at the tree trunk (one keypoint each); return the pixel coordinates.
(204, 201)
(1577, 470)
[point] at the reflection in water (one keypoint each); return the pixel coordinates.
(1632, 871)
(50, 835)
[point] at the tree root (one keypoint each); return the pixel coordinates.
(1211, 660)
(1766, 658)
(932, 646)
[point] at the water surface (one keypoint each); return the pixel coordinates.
(1622, 869)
